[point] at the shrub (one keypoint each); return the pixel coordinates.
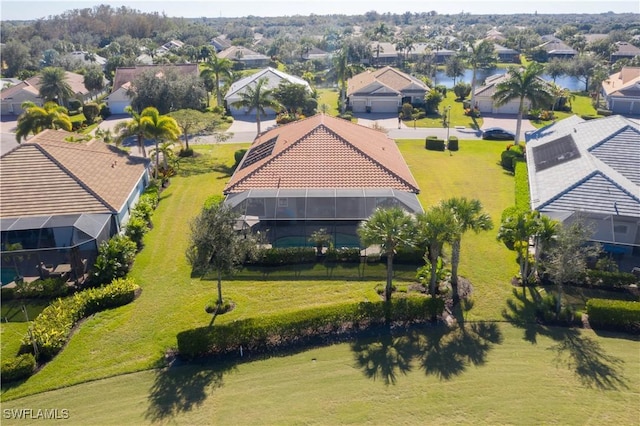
(7, 293)
(432, 101)
(604, 112)
(185, 152)
(47, 288)
(611, 280)
(144, 209)
(346, 116)
(452, 143)
(432, 143)
(266, 334)
(152, 193)
(522, 184)
(238, 156)
(105, 112)
(407, 110)
(508, 159)
(74, 106)
(115, 258)
(51, 328)
(18, 368)
(614, 314)
(546, 312)
(406, 256)
(285, 256)
(310, 107)
(343, 255)
(136, 228)
(462, 90)
(91, 111)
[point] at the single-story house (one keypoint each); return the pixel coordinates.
(483, 97)
(621, 91)
(88, 57)
(241, 54)
(624, 50)
(220, 43)
(441, 55)
(273, 76)
(118, 99)
(506, 54)
(589, 170)
(556, 48)
(315, 54)
(59, 197)
(29, 90)
(320, 172)
(382, 54)
(384, 91)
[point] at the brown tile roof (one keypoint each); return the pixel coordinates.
(323, 152)
(48, 176)
(76, 81)
(387, 76)
(128, 74)
(10, 92)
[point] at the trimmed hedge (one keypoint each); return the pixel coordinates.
(452, 144)
(50, 330)
(342, 255)
(18, 368)
(267, 334)
(614, 280)
(614, 314)
(522, 185)
(432, 143)
(285, 256)
(406, 256)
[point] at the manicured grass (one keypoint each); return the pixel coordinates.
(329, 97)
(580, 105)
(456, 117)
(487, 375)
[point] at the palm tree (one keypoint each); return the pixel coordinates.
(546, 233)
(468, 215)
(344, 71)
(166, 149)
(392, 228)
(479, 55)
(454, 68)
(435, 228)
(378, 50)
(54, 85)
(523, 84)
(36, 118)
(159, 127)
(257, 97)
(215, 68)
(516, 230)
(133, 127)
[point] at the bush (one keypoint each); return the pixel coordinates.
(610, 280)
(614, 314)
(452, 143)
(7, 293)
(343, 255)
(18, 368)
(51, 328)
(115, 258)
(310, 107)
(407, 110)
(285, 256)
(267, 334)
(91, 111)
(75, 105)
(346, 116)
(144, 209)
(48, 288)
(105, 112)
(604, 112)
(462, 90)
(509, 157)
(152, 193)
(185, 152)
(136, 228)
(406, 256)
(238, 156)
(546, 312)
(432, 143)
(522, 184)
(432, 101)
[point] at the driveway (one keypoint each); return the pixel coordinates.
(507, 122)
(7, 134)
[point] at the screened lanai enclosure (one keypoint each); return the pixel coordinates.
(288, 217)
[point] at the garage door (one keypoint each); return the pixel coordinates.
(384, 105)
(485, 106)
(358, 105)
(510, 108)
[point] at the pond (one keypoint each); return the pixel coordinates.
(571, 83)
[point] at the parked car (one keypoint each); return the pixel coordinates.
(498, 134)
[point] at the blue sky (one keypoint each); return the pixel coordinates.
(32, 9)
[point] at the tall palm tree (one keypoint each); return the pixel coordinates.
(257, 97)
(36, 118)
(133, 127)
(524, 84)
(468, 215)
(160, 128)
(479, 55)
(217, 68)
(54, 85)
(390, 228)
(344, 71)
(435, 228)
(516, 230)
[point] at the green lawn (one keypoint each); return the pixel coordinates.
(456, 115)
(563, 377)
(328, 97)
(490, 374)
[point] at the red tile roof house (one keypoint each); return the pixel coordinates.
(59, 197)
(321, 172)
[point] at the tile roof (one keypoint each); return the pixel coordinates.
(273, 76)
(390, 78)
(48, 176)
(10, 92)
(241, 53)
(76, 81)
(605, 174)
(128, 74)
(323, 152)
(619, 83)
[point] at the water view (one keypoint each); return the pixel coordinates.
(571, 83)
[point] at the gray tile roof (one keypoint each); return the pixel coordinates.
(604, 175)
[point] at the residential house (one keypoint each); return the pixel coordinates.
(273, 76)
(624, 50)
(169, 46)
(242, 55)
(589, 170)
(621, 91)
(506, 54)
(384, 91)
(88, 57)
(483, 97)
(315, 54)
(59, 200)
(119, 99)
(495, 35)
(320, 172)
(440, 55)
(382, 54)
(29, 90)
(220, 43)
(556, 48)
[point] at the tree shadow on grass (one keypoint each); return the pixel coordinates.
(590, 363)
(439, 350)
(176, 390)
(224, 170)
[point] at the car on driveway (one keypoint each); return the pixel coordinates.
(498, 134)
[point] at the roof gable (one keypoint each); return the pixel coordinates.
(323, 152)
(387, 76)
(273, 76)
(621, 152)
(126, 75)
